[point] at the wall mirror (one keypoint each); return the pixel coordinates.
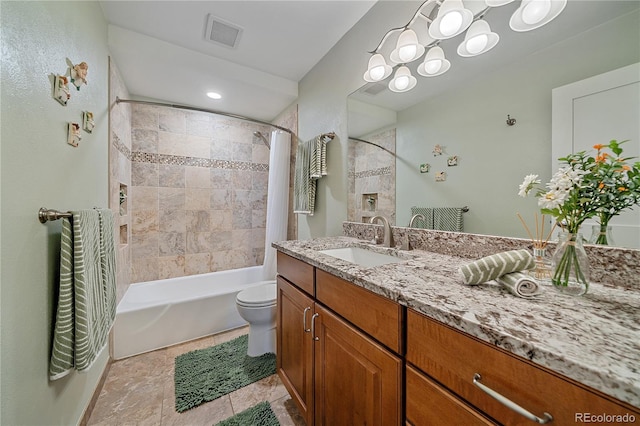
(463, 113)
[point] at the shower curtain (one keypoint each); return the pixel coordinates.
(277, 199)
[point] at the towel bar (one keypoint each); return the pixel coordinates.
(45, 215)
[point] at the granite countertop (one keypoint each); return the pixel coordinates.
(593, 339)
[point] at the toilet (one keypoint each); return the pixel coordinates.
(257, 306)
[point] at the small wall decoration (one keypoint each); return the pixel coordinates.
(441, 177)
(61, 89)
(452, 161)
(74, 137)
(87, 121)
(437, 150)
(78, 74)
(424, 168)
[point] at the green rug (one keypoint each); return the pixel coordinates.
(206, 374)
(258, 415)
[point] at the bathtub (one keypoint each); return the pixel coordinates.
(157, 314)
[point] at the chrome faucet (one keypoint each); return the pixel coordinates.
(414, 217)
(388, 236)
(406, 245)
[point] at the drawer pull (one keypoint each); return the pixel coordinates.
(510, 404)
(304, 319)
(313, 327)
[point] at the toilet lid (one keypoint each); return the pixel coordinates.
(260, 295)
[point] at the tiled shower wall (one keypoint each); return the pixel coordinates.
(198, 193)
(372, 178)
(120, 174)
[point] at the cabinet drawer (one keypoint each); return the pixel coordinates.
(430, 404)
(296, 271)
(374, 314)
(453, 358)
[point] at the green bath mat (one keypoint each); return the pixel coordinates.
(206, 374)
(258, 415)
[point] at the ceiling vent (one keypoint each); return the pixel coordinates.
(374, 88)
(222, 32)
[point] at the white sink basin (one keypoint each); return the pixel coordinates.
(362, 257)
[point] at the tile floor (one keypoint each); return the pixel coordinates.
(139, 391)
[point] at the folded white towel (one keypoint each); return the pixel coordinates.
(520, 284)
(491, 267)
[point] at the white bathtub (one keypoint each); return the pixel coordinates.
(157, 314)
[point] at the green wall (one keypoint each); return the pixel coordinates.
(39, 169)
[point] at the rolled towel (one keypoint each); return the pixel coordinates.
(491, 267)
(520, 284)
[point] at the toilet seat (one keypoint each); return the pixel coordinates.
(258, 296)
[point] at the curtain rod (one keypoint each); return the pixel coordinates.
(374, 144)
(130, 101)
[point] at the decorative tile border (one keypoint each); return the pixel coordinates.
(368, 173)
(122, 148)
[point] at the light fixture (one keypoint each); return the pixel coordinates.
(378, 69)
(402, 81)
(407, 49)
(497, 3)
(478, 40)
(452, 19)
(434, 63)
(533, 14)
(437, 20)
(214, 95)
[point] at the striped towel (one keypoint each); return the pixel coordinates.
(448, 219)
(491, 267)
(87, 295)
(520, 284)
(311, 165)
(427, 212)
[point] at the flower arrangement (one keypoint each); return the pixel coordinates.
(583, 187)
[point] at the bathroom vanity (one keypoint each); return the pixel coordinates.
(405, 342)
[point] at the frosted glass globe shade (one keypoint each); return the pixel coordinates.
(535, 11)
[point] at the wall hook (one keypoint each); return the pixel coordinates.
(510, 121)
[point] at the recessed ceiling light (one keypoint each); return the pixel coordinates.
(214, 95)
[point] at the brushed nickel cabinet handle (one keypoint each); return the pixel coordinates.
(510, 404)
(304, 319)
(313, 327)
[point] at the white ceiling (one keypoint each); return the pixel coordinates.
(161, 51)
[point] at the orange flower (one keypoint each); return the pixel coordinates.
(598, 146)
(626, 167)
(601, 185)
(622, 189)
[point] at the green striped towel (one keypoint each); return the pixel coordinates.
(491, 267)
(311, 165)
(427, 212)
(520, 284)
(447, 219)
(87, 295)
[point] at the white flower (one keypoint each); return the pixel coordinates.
(527, 185)
(552, 199)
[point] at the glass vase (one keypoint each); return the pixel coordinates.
(570, 265)
(601, 234)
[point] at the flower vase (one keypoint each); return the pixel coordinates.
(601, 234)
(570, 265)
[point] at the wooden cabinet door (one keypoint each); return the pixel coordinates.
(357, 381)
(428, 403)
(295, 347)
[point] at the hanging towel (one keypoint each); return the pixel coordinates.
(427, 212)
(311, 165)
(520, 284)
(87, 296)
(448, 219)
(491, 267)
